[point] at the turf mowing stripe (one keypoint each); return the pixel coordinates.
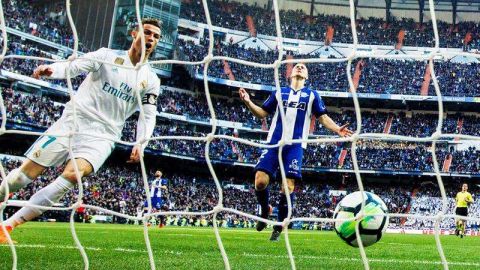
(176, 234)
(129, 250)
(178, 253)
(359, 259)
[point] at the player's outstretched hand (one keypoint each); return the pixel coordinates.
(135, 155)
(244, 96)
(42, 70)
(344, 131)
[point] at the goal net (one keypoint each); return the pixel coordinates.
(433, 54)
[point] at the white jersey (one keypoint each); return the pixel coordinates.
(106, 98)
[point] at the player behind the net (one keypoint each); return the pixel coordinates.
(104, 100)
(300, 103)
(158, 192)
(462, 201)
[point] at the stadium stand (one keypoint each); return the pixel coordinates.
(41, 112)
(377, 76)
(191, 193)
(298, 25)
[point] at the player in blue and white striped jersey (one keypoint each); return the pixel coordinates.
(299, 103)
(157, 190)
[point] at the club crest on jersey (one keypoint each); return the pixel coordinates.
(37, 153)
(143, 84)
(295, 104)
(294, 165)
(119, 61)
(304, 95)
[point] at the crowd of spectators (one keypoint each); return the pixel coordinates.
(196, 108)
(297, 24)
(397, 156)
(42, 112)
(51, 24)
(411, 157)
(416, 124)
(431, 206)
(471, 125)
(39, 21)
(467, 160)
(406, 77)
(22, 48)
(30, 109)
(122, 190)
(377, 76)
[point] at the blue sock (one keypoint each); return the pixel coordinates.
(283, 206)
(262, 198)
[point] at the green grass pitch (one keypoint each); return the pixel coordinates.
(51, 246)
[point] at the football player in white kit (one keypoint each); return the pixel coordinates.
(104, 100)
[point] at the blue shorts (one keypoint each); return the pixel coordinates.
(292, 156)
(157, 203)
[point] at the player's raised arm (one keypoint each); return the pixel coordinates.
(319, 110)
(146, 126)
(58, 70)
(328, 123)
(258, 111)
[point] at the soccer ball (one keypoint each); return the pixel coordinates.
(371, 228)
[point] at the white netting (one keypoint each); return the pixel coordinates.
(434, 52)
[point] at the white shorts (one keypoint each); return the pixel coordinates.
(51, 151)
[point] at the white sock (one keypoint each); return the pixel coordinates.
(16, 180)
(47, 196)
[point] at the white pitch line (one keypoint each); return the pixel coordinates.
(129, 250)
(26, 246)
(52, 246)
(120, 249)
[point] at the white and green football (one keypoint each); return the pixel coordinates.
(371, 228)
